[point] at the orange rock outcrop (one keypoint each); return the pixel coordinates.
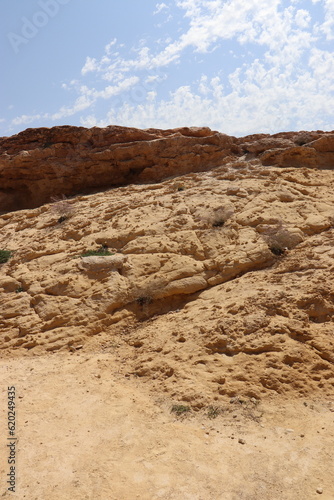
(38, 164)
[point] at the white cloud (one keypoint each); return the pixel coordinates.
(90, 65)
(112, 90)
(277, 76)
(303, 18)
(82, 103)
(91, 121)
(266, 93)
(25, 119)
(322, 64)
(328, 26)
(254, 104)
(210, 23)
(87, 98)
(160, 7)
(110, 45)
(152, 78)
(151, 96)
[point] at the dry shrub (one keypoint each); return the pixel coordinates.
(218, 217)
(146, 293)
(62, 207)
(279, 238)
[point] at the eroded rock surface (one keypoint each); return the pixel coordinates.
(38, 164)
(219, 282)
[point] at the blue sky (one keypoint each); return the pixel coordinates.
(237, 66)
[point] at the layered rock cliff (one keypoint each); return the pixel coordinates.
(38, 164)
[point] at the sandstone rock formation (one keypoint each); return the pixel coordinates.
(216, 283)
(38, 164)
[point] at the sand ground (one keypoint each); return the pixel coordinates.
(87, 432)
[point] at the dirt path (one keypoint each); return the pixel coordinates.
(86, 432)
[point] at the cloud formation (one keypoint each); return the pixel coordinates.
(256, 66)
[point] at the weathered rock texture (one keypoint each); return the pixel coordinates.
(220, 282)
(38, 164)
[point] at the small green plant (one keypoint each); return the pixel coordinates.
(180, 410)
(100, 252)
(249, 406)
(5, 255)
(213, 412)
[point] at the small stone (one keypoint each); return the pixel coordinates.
(241, 441)
(320, 491)
(302, 435)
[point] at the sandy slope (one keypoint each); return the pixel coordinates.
(87, 432)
